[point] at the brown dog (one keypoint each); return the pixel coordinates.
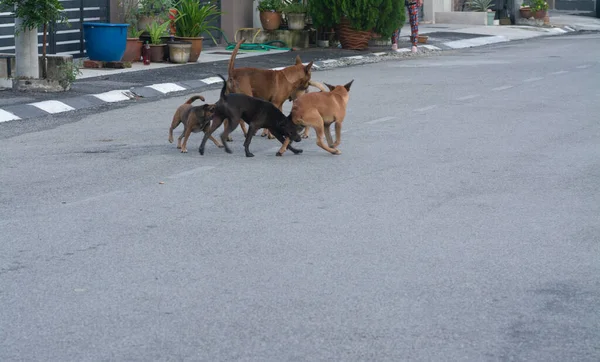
(319, 110)
(194, 119)
(275, 86)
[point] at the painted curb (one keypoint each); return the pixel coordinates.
(40, 109)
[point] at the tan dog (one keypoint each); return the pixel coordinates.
(194, 119)
(319, 110)
(275, 86)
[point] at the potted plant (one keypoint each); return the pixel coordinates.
(295, 13)
(152, 10)
(539, 8)
(133, 48)
(157, 30)
(525, 11)
(270, 13)
(194, 20)
(353, 20)
(483, 6)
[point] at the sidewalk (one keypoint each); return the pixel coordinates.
(95, 87)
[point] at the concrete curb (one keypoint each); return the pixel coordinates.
(40, 109)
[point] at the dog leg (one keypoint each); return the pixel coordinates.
(231, 126)
(217, 143)
(306, 131)
(338, 134)
(180, 138)
(216, 123)
(243, 127)
(188, 131)
(328, 135)
(320, 134)
(249, 135)
(283, 140)
(174, 124)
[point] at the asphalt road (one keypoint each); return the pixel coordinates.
(461, 222)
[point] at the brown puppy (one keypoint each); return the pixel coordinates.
(319, 110)
(194, 119)
(275, 86)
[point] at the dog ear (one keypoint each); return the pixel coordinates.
(347, 86)
(331, 87)
(298, 61)
(307, 68)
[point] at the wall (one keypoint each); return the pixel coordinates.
(237, 14)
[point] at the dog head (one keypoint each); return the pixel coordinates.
(289, 129)
(344, 89)
(301, 85)
(209, 111)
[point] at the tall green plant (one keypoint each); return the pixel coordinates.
(194, 20)
(362, 14)
(392, 15)
(157, 30)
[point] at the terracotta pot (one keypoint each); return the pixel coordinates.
(196, 46)
(270, 20)
(157, 53)
(351, 38)
(133, 50)
(525, 13)
(540, 14)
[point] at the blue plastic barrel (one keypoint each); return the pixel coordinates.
(105, 41)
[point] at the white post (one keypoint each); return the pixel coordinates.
(26, 52)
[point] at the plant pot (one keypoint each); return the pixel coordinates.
(323, 43)
(270, 20)
(525, 13)
(422, 39)
(196, 46)
(490, 17)
(133, 50)
(351, 38)
(296, 21)
(540, 14)
(104, 41)
(157, 53)
(179, 51)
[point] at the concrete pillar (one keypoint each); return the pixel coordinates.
(237, 14)
(26, 52)
(430, 7)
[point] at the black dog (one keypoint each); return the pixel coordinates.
(257, 114)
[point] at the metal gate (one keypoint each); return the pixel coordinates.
(62, 38)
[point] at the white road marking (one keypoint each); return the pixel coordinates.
(467, 43)
(117, 95)
(379, 54)
(426, 108)
(528, 80)
(52, 106)
(560, 72)
(6, 116)
(166, 87)
(470, 96)
(94, 198)
(212, 80)
(403, 50)
(504, 87)
(191, 172)
(327, 61)
(430, 47)
(379, 120)
(583, 66)
(355, 57)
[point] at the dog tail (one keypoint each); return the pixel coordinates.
(233, 55)
(223, 96)
(194, 98)
(318, 85)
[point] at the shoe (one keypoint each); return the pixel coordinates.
(394, 46)
(413, 49)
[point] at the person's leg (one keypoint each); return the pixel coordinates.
(413, 17)
(395, 37)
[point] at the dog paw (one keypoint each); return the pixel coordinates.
(201, 151)
(183, 151)
(297, 151)
(228, 150)
(220, 146)
(336, 152)
(249, 154)
(229, 139)
(279, 154)
(304, 136)
(263, 135)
